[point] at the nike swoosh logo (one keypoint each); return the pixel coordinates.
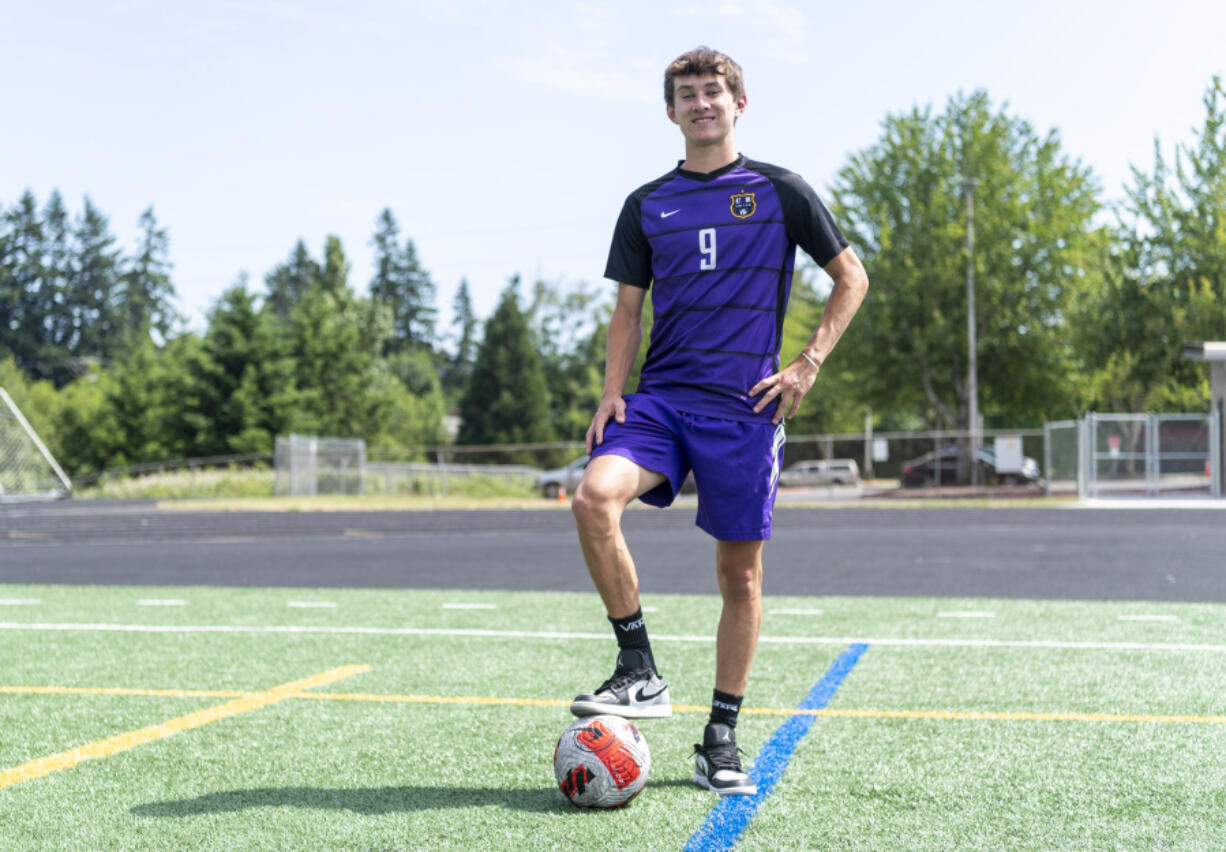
(643, 695)
(669, 213)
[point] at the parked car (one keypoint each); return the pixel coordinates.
(923, 470)
(551, 481)
(821, 472)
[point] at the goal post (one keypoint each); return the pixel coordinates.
(28, 471)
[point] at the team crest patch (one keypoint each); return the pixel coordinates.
(744, 205)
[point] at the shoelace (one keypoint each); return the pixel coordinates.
(621, 680)
(722, 756)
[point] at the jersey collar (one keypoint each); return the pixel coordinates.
(706, 176)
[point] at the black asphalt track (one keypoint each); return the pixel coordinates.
(1165, 554)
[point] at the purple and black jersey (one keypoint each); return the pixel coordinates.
(717, 251)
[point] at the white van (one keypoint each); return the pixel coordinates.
(821, 472)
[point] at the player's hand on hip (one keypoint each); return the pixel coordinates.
(613, 408)
(789, 386)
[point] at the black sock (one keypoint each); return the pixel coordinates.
(634, 648)
(725, 708)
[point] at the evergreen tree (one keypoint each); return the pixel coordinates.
(146, 300)
(464, 322)
(56, 324)
(403, 285)
(507, 400)
(242, 382)
(93, 287)
(20, 313)
(335, 339)
(289, 281)
(334, 277)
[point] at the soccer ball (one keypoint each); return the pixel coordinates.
(601, 762)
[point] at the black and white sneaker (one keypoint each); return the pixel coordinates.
(717, 764)
(634, 692)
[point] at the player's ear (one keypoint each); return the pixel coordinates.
(672, 113)
(741, 103)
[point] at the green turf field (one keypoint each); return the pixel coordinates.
(427, 721)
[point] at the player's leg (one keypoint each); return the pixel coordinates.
(640, 458)
(738, 565)
(717, 763)
(736, 466)
(609, 484)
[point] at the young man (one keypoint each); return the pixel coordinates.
(715, 241)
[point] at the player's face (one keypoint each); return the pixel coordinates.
(704, 108)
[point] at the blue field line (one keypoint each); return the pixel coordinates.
(731, 815)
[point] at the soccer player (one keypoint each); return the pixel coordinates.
(714, 240)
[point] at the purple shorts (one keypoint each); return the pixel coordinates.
(735, 463)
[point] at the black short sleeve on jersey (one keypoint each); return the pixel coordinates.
(809, 223)
(630, 254)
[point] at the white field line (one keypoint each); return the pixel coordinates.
(795, 612)
(20, 601)
(1147, 617)
(458, 605)
(161, 603)
(971, 614)
(527, 634)
(311, 604)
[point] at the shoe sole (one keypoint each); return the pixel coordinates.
(743, 790)
(596, 708)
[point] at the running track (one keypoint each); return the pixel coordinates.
(1099, 554)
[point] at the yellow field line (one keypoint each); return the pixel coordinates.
(122, 742)
(953, 715)
(1018, 716)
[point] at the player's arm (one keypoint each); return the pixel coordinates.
(791, 383)
(850, 286)
(621, 348)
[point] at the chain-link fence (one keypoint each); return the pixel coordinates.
(1150, 454)
(441, 480)
(306, 466)
(1062, 457)
(883, 456)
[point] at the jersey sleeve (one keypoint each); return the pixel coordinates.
(809, 223)
(630, 253)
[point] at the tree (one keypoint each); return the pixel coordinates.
(56, 309)
(563, 321)
(403, 285)
(242, 391)
(147, 295)
(92, 287)
(464, 322)
(902, 204)
(21, 309)
(1166, 282)
(507, 400)
(288, 282)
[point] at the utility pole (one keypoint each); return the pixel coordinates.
(972, 370)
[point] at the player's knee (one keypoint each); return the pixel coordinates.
(740, 583)
(592, 507)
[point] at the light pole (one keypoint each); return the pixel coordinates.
(972, 371)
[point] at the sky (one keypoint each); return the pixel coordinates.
(504, 136)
